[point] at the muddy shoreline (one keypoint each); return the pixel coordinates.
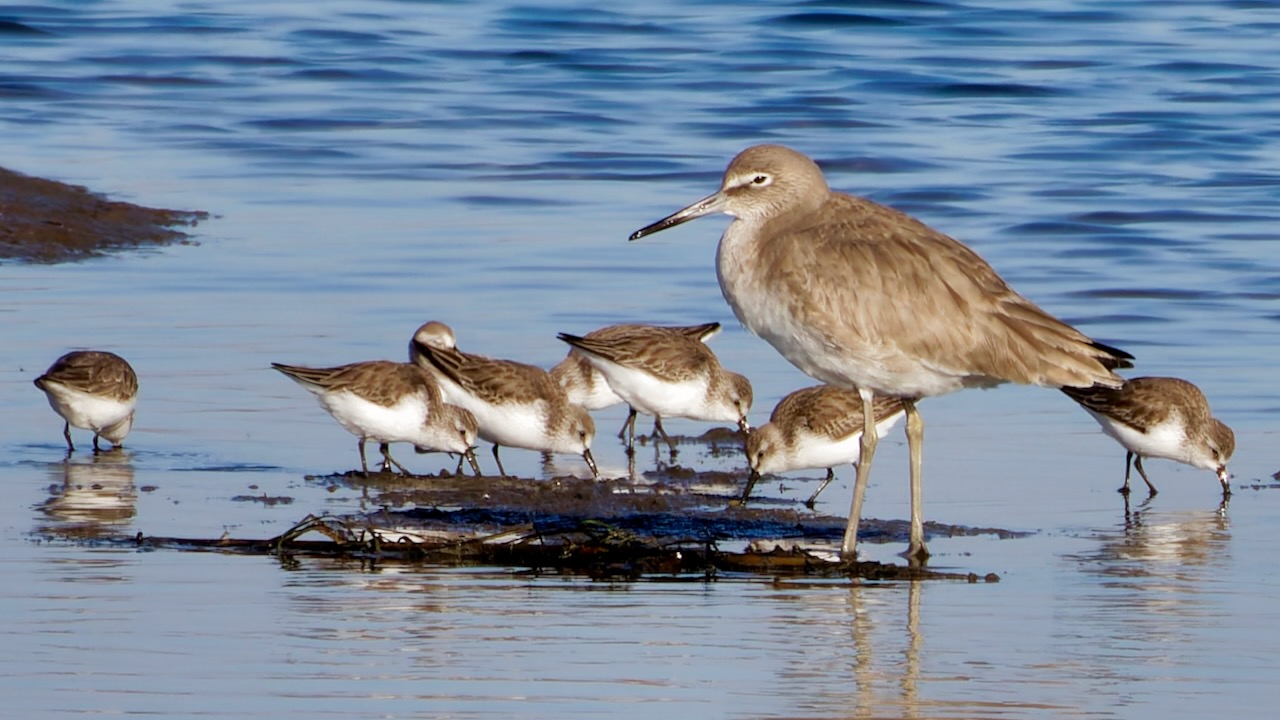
(49, 221)
(670, 522)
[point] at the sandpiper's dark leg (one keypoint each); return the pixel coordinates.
(1128, 467)
(96, 449)
(657, 429)
(629, 427)
(387, 460)
(498, 460)
(831, 475)
(364, 467)
(66, 433)
(1138, 464)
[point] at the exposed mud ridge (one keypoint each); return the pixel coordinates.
(671, 523)
(48, 221)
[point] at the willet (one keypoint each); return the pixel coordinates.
(861, 296)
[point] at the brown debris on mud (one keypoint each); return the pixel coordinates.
(669, 523)
(49, 221)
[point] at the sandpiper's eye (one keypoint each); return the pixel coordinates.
(1215, 452)
(761, 180)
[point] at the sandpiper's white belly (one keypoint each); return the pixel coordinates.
(87, 411)
(814, 451)
(599, 397)
(654, 396)
(402, 422)
(592, 391)
(518, 425)
(820, 451)
(1167, 440)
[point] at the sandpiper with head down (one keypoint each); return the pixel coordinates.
(815, 427)
(1161, 417)
(662, 371)
(859, 295)
(516, 405)
(389, 402)
(92, 390)
(588, 388)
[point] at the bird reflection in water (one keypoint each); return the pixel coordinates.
(1190, 538)
(1153, 567)
(872, 612)
(91, 498)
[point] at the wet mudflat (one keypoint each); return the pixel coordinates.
(46, 220)
(672, 521)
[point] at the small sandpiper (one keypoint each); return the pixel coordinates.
(516, 405)
(1161, 417)
(92, 390)
(588, 387)
(665, 373)
(815, 427)
(389, 402)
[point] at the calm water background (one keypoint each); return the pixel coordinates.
(373, 165)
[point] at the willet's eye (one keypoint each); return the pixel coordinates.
(761, 180)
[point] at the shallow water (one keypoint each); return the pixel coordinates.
(373, 165)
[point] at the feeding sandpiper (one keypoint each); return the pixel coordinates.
(389, 402)
(516, 405)
(92, 390)
(815, 427)
(588, 387)
(665, 373)
(862, 296)
(1161, 417)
